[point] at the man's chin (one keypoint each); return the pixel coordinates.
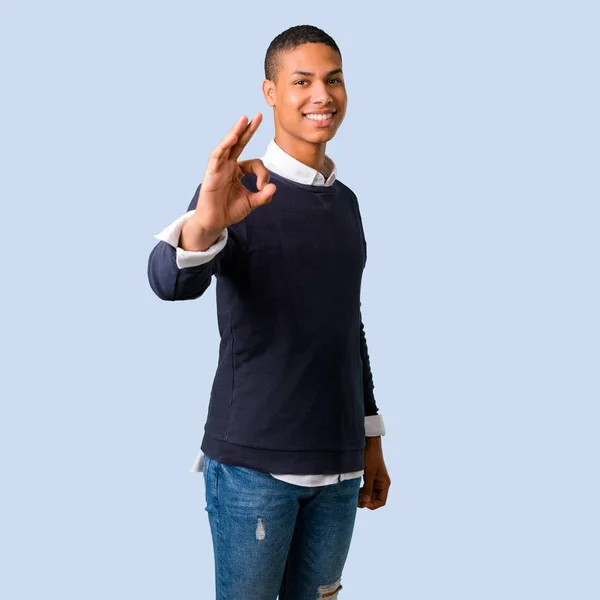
(311, 137)
(319, 137)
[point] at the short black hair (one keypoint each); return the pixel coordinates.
(289, 40)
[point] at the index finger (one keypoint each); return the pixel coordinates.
(245, 136)
(223, 149)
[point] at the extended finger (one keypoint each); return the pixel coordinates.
(245, 136)
(223, 150)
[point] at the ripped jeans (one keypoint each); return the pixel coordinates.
(271, 537)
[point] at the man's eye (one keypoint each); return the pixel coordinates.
(301, 81)
(335, 80)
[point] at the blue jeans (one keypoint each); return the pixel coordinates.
(272, 537)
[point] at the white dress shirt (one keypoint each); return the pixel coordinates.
(280, 162)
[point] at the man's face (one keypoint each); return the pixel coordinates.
(309, 98)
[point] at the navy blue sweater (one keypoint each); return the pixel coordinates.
(293, 383)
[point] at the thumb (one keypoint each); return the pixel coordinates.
(367, 489)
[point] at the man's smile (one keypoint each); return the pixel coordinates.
(321, 118)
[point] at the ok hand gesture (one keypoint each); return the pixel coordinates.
(223, 199)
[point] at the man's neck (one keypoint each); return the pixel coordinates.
(312, 155)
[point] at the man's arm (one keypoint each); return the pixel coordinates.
(220, 205)
(368, 386)
(373, 420)
(373, 494)
(176, 273)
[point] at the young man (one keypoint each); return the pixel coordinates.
(292, 421)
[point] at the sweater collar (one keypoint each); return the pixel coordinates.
(280, 162)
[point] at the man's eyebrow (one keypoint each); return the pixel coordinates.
(307, 74)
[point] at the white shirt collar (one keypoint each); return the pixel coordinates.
(280, 162)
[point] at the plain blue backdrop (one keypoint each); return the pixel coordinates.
(472, 141)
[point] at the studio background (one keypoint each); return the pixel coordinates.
(471, 140)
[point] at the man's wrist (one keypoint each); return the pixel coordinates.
(195, 238)
(373, 440)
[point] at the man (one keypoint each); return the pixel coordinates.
(292, 421)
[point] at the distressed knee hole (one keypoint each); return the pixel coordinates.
(329, 591)
(260, 530)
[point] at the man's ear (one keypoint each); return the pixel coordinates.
(268, 88)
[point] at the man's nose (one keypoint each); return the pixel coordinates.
(320, 94)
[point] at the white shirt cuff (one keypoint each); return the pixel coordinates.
(374, 426)
(185, 258)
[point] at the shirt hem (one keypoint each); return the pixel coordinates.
(293, 462)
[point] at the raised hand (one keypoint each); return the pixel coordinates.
(223, 199)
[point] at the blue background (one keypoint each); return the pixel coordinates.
(472, 142)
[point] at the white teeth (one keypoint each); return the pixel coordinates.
(314, 117)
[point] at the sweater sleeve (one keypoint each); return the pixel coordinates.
(368, 386)
(169, 282)
(370, 404)
(188, 258)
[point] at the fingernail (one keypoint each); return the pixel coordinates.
(365, 498)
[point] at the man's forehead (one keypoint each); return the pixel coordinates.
(310, 58)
